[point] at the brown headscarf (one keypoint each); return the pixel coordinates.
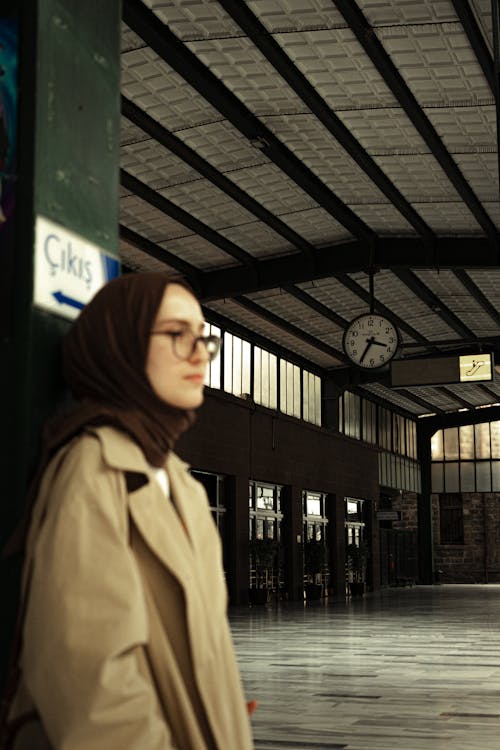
(104, 359)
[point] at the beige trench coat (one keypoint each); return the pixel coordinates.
(126, 639)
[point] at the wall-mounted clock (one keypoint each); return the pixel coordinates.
(370, 341)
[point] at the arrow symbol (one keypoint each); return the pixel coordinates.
(63, 300)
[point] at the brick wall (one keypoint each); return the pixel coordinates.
(406, 504)
(478, 559)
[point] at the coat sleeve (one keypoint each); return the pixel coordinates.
(86, 620)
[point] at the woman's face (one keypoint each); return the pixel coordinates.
(179, 320)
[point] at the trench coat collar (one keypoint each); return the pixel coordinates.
(156, 519)
(123, 453)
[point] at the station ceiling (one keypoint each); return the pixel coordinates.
(280, 153)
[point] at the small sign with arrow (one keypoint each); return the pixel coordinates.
(69, 269)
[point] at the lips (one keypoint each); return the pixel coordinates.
(195, 378)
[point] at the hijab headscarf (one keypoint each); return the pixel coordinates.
(104, 361)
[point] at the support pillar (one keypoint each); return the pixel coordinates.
(293, 542)
(238, 539)
(66, 170)
(424, 510)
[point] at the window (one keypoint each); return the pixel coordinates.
(237, 355)
(352, 413)
(265, 510)
(311, 397)
(214, 487)
(212, 375)
(369, 412)
(451, 520)
(315, 536)
(384, 429)
(289, 388)
(451, 444)
(463, 458)
(265, 378)
(398, 434)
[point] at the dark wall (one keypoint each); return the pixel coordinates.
(243, 441)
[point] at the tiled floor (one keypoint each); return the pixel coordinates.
(406, 669)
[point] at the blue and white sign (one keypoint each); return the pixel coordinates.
(69, 269)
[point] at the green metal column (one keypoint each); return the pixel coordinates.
(67, 171)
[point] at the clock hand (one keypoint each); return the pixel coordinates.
(378, 343)
(369, 342)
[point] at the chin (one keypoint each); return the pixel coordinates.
(190, 403)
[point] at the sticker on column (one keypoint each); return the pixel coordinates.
(69, 269)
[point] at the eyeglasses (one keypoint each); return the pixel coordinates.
(184, 343)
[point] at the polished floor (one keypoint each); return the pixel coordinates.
(406, 669)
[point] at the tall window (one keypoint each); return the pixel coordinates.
(265, 514)
(451, 519)
(352, 415)
(265, 378)
(369, 421)
(237, 356)
(289, 388)
(314, 515)
(311, 397)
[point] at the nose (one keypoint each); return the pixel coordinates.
(200, 353)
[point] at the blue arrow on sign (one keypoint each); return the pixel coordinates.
(63, 300)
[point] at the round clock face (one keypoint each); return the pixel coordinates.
(371, 341)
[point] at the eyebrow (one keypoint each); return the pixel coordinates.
(182, 321)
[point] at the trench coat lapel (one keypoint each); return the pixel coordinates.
(155, 516)
(160, 526)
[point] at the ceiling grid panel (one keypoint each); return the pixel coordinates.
(445, 285)
(394, 293)
(262, 146)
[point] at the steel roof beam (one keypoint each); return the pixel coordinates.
(277, 321)
(432, 301)
(192, 273)
(347, 257)
(427, 405)
(476, 39)
(174, 144)
(449, 394)
(161, 39)
(429, 425)
(477, 294)
(313, 304)
(155, 199)
(488, 392)
(264, 41)
(285, 270)
(366, 36)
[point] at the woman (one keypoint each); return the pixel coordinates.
(126, 644)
